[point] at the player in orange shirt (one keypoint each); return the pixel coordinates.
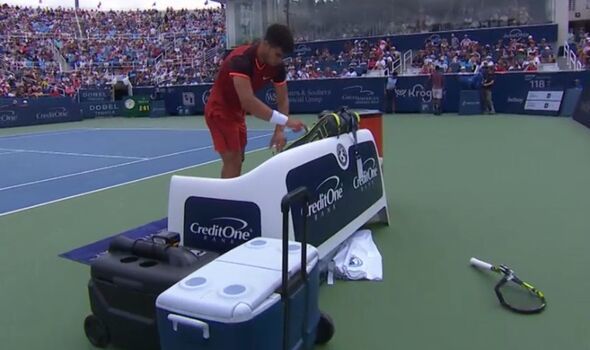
(244, 71)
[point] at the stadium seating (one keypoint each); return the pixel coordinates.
(465, 55)
(57, 51)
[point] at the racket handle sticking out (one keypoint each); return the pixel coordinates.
(480, 264)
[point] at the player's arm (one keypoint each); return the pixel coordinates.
(241, 69)
(252, 104)
(248, 100)
(240, 72)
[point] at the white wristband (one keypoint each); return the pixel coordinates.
(278, 118)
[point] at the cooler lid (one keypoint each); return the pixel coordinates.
(267, 253)
(221, 291)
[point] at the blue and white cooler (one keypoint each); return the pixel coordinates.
(234, 302)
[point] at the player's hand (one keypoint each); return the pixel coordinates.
(295, 124)
(278, 140)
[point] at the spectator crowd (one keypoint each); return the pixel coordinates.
(465, 55)
(57, 51)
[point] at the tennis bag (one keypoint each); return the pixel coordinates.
(125, 283)
(329, 124)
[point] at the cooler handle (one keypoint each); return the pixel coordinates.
(189, 322)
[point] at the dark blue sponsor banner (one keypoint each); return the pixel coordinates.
(39, 111)
(416, 41)
(510, 92)
(101, 109)
(144, 91)
(158, 109)
(470, 102)
(305, 96)
(570, 101)
(313, 96)
(582, 113)
(95, 95)
(218, 224)
(337, 191)
(186, 100)
(413, 93)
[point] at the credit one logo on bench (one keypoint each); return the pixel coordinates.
(219, 224)
(54, 113)
(329, 192)
(224, 228)
(370, 172)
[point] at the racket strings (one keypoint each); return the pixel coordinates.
(520, 296)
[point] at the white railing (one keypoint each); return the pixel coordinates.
(397, 66)
(573, 62)
(407, 61)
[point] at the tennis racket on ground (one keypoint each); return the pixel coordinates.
(512, 292)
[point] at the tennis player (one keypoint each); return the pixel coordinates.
(244, 71)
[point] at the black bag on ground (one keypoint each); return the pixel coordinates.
(125, 283)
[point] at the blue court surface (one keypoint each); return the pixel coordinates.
(45, 167)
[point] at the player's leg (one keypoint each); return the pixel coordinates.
(484, 101)
(235, 152)
(228, 141)
(436, 98)
(434, 101)
(491, 102)
(232, 164)
(441, 94)
(488, 107)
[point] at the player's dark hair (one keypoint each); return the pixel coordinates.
(279, 35)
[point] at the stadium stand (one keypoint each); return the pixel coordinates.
(466, 55)
(57, 51)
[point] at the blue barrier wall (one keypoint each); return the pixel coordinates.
(39, 111)
(582, 112)
(510, 92)
(313, 96)
(416, 41)
(305, 96)
(413, 95)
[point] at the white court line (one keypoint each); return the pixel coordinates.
(71, 154)
(3, 153)
(113, 166)
(170, 129)
(118, 185)
(43, 133)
